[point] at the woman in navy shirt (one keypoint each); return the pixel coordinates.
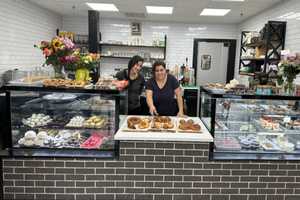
(161, 90)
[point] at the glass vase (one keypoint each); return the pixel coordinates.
(58, 71)
(289, 88)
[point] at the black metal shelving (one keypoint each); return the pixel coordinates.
(272, 38)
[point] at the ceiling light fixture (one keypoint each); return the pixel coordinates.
(229, 0)
(159, 10)
(103, 7)
(214, 12)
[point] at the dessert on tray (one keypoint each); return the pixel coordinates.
(188, 125)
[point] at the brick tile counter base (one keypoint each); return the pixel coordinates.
(154, 171)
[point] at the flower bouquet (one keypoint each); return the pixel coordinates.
(61, 53)
(289, 68)
(58, 53)
(85, 63)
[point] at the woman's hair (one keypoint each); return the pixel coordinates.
(158, 63)
(134, 60)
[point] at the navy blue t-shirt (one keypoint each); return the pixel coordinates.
(163, 99)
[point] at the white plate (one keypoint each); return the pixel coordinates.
(59, 96)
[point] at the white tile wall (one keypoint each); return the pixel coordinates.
(292, 40)
(179, 42)
(23, 24)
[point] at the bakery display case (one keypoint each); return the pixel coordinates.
(62, 122)
(251, 127)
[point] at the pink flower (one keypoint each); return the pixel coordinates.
(68, 43)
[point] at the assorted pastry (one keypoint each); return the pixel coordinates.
(269, 123)
(77, 121)
(95, 122)
(227, 143)
(64, 83)
(160, 123)
(215, 86)
(62, 139)
(35, 120)
(110, 83)
(249, 142)
(135, 123)
(188, 125)
(277, 109)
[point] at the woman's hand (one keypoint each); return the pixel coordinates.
(180, 114)
(152, 110)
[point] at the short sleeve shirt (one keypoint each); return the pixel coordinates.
(163, 98)
(135, 88)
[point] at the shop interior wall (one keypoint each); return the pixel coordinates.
(23, 24)
(179, 42)
(292, 40)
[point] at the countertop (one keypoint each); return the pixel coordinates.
(204, 136)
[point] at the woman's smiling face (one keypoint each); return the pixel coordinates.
(160, 72)
(137, 67)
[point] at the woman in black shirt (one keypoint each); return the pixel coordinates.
(160, 92)
(136, 83)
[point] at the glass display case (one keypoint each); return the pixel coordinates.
(251, 127)
(56, 122)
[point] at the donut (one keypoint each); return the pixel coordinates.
(143, 124)
(168, 125)
(182, 121)
(130, 125)
(134, 120)
(196, 127)
(190, 121)
(184, 126)
(156, 125)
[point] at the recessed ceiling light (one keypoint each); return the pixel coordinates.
(230, 0)
(159, 10)
(103, 7)
(214, 12)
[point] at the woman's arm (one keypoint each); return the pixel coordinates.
(179, 102)
(149, 99)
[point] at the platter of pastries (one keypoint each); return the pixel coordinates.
(188, 125)
(64, 83)
(135, 124)
(161, 124)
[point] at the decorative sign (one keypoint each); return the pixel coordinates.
(136, 28)
(205, 62)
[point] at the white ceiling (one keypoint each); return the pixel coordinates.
(184, 10)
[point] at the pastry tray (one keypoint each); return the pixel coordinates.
(196, 121)
(174, 122)
(127, 129)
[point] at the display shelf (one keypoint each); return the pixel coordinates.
(125, 57)
(126, 45)
(96, 140)
(272, 38)
(247, 73)
(258, 127)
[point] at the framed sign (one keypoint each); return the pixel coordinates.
(136, 28)
(205, 62)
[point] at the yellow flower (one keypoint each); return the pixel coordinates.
(56, 44)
